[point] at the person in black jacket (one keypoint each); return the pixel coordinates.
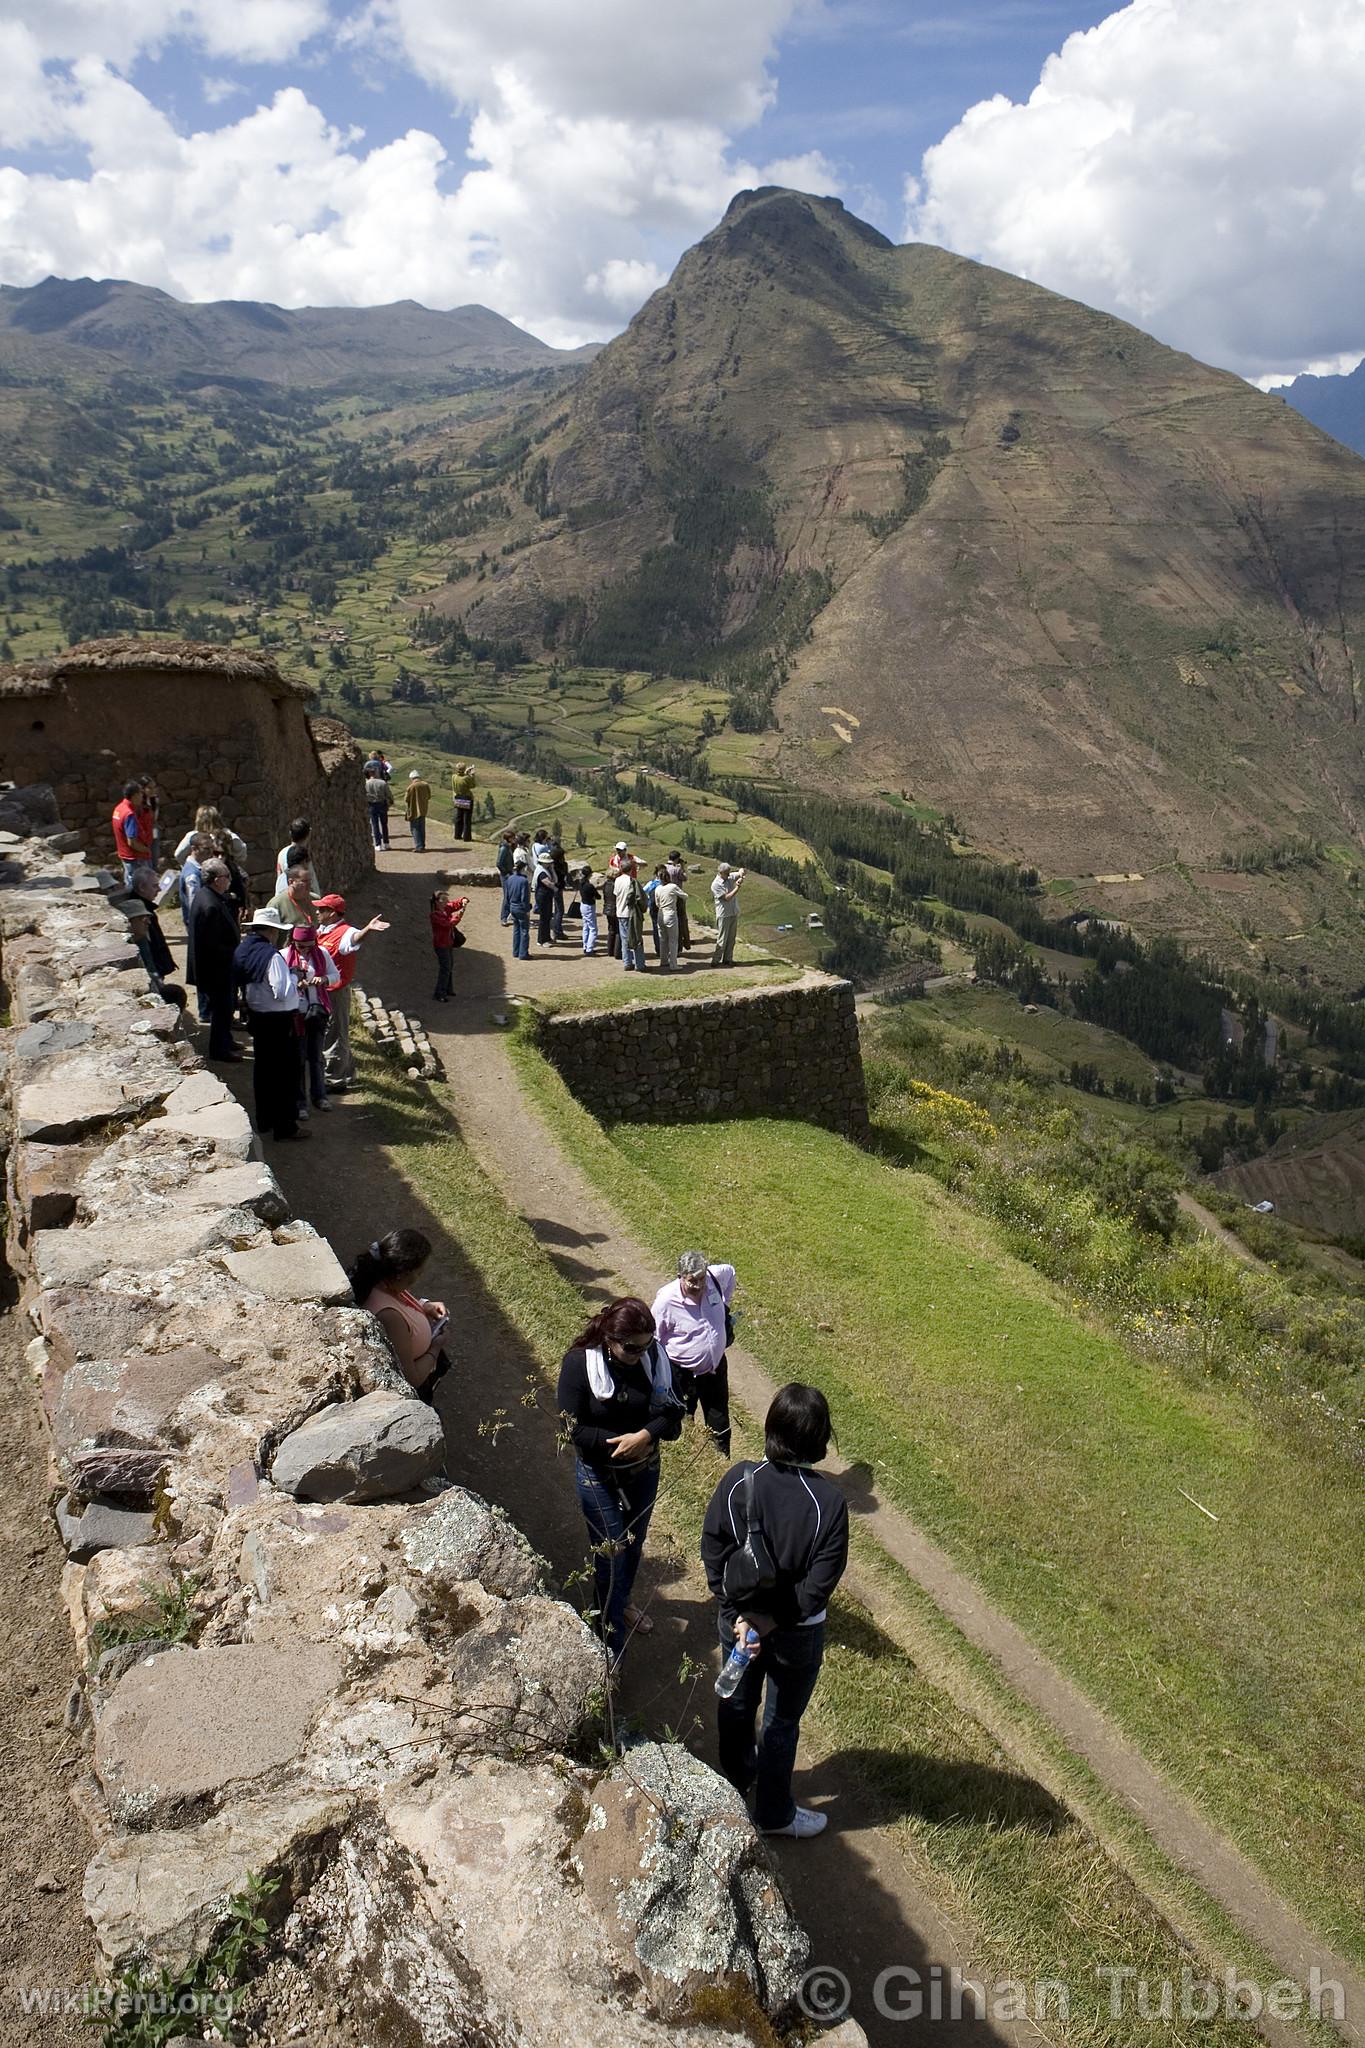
(617, 1397)
(215, 935)
(804, 1520)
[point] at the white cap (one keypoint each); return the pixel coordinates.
(621, 846)
(414, 775)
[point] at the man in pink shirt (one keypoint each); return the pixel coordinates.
(691, 1322)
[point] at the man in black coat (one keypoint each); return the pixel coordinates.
(214, 938)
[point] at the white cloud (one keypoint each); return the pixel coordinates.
(1197, 166)
(707, 60)
(575, 187)
(249, 31)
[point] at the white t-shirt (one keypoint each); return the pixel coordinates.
(281, 862)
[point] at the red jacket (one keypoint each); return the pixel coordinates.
(132, 823)
(444, 918)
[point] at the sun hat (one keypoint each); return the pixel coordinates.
(269, 919)
(414, 775)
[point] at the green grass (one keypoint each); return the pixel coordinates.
(912, 1715)
(667, 988)
(1050, 1461)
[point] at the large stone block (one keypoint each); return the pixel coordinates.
(307, 1270)
(80, 1257)
(372, 1449)
(187, 1727)
(160, 1896)
(89, 1527)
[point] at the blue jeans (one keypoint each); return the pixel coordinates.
(521, 937)
(445, 956)
(419, 834)
(589, 928)
(789, 1662)
(617, 1513)
(504, 915)
(379, 823)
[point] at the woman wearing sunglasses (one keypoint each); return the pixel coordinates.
(617, 1397)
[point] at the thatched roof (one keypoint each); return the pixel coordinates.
(127, 658)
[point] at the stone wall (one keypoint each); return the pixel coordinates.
(790, 1051)
(211, 725)
(305, 1654)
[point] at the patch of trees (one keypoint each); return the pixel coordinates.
(1002, 961)
(1158, 999)
(918, 470)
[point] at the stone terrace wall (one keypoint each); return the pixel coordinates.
(790, 1051)
(377, 1701)
(211, 725)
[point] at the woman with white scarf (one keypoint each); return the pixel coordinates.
(617, 1397)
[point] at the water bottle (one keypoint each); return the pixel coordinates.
(736, 1664)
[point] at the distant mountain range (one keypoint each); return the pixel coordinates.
(244, 339)
(1336, 404)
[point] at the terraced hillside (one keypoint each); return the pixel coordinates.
(1315, 1176)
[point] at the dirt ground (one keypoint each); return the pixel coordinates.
(45, 1946)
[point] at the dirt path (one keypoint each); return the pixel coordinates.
(538, 812)
(892, 1920)
(45, 1946)
(1205, 1220)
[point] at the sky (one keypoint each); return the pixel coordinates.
(1196, 166)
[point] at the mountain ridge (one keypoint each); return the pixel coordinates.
(304, 347)
(1336, 404)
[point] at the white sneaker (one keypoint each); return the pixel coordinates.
(803, 1823)
(303, 1116)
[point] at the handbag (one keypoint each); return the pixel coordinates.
(457, 937)
(729, 1319)
(750, 1569)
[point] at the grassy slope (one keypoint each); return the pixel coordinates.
(913, 1716)
(1049, 1462)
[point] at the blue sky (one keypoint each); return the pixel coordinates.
(553, 161)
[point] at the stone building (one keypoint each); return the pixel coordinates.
(212, 724)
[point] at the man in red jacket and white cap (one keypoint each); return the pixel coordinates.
(342, 941)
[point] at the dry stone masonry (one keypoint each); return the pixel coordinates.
(305, 1655)
(790, 1052)
(213, 725)
(401, 1037)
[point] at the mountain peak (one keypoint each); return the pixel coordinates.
(780, 208)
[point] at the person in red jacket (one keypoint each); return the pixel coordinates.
(134, 824)
(343, 942)
(445, 937)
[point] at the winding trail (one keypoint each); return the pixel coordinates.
(1205, 1220)
(538, 812)
(858, 1890)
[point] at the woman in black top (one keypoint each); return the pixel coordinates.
(804, 1520)
(617, 1396)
